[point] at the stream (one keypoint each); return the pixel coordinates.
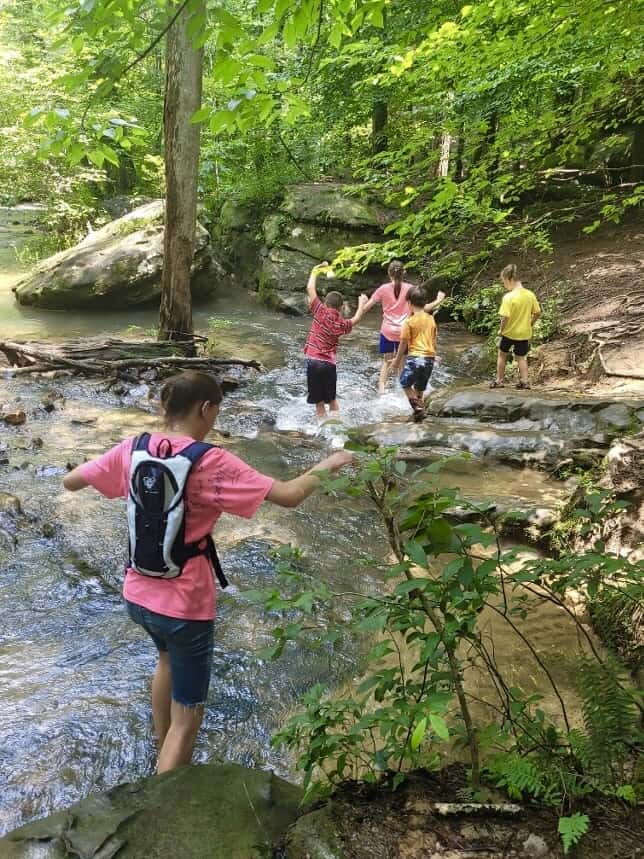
(74, 671)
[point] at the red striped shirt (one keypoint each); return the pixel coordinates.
(326, 329)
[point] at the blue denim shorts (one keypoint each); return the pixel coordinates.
(416, 373)
(189, 645)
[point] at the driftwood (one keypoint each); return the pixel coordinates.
(113, 358)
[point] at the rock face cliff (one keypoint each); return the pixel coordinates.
(115, 267)
(274, 255)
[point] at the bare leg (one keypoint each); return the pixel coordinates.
(320, 410)
(500, 366)
(180, 740)
(161, 697)
(522, 364)
(333, 406)
(385, 371)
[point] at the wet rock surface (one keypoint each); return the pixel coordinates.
(117, 266)
(217, 811)
(540, 430)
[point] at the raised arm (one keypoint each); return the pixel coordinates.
(440, 298)
(311, 290)
(290, 493)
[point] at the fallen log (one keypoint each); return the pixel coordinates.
(113, 358)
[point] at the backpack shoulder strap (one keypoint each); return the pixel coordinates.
(141, 442)
(196, 450)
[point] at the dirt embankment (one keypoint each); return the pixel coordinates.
(600, 278)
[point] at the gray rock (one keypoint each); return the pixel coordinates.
(329, 203)
(117, 266)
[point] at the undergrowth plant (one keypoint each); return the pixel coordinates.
(424, 638)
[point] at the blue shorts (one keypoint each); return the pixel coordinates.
(416, 373)
(189, 645)
(388, 347)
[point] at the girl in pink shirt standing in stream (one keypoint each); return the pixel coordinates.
(178, 610)
(395, 310)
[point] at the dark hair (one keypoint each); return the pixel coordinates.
(417, 296)
(334, 299)
(182, 392)
(509, 272)
(396, 272)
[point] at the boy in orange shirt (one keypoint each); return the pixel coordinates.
(418, 348)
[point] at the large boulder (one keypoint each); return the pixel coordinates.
(117, 266)
(219, 812)
(314, 222)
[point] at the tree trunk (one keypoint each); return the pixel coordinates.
(378, 127)
(183, 73)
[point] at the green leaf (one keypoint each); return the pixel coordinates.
(438, 726)
(200, 115)
(418, 735)
(96, 156)
(416, 553)
(572, 828)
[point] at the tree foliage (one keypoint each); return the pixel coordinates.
(503, 118)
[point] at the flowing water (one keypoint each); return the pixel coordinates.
(74, 672)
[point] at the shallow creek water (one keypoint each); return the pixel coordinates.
(74, 672)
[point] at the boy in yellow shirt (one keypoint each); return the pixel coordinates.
(418, 348)
(519, 310)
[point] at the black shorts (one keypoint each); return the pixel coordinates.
(519, 347)
(321, 377)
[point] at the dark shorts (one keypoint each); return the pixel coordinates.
(321, 378)
(519, 347)
(189, 645)
(388, 347)
(416, 373)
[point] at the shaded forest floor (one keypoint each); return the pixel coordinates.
(600, 278)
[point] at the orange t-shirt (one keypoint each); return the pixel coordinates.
(420, 332)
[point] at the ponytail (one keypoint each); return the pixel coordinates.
(396, 272)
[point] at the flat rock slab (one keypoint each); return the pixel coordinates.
(216, 811)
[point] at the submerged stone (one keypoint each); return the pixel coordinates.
(216, 811)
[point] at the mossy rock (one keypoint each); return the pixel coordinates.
(215, 811)
(330, 203)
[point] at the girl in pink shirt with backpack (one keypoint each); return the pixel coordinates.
(395, 310)
(177, 487)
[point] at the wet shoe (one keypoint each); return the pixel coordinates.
(523, 386)
(418, 416)
(496, 384)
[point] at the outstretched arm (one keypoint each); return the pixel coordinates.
(75, 480)
(290, 493)
(440, 298)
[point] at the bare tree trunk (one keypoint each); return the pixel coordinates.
(183, 73)
(443, 164)
(379, 127)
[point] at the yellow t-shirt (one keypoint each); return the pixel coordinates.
(419, 330)
(518, 306)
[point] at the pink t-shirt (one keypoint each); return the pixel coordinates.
(394, 310)
(219, 483)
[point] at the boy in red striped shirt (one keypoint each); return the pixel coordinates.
(322, 342)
